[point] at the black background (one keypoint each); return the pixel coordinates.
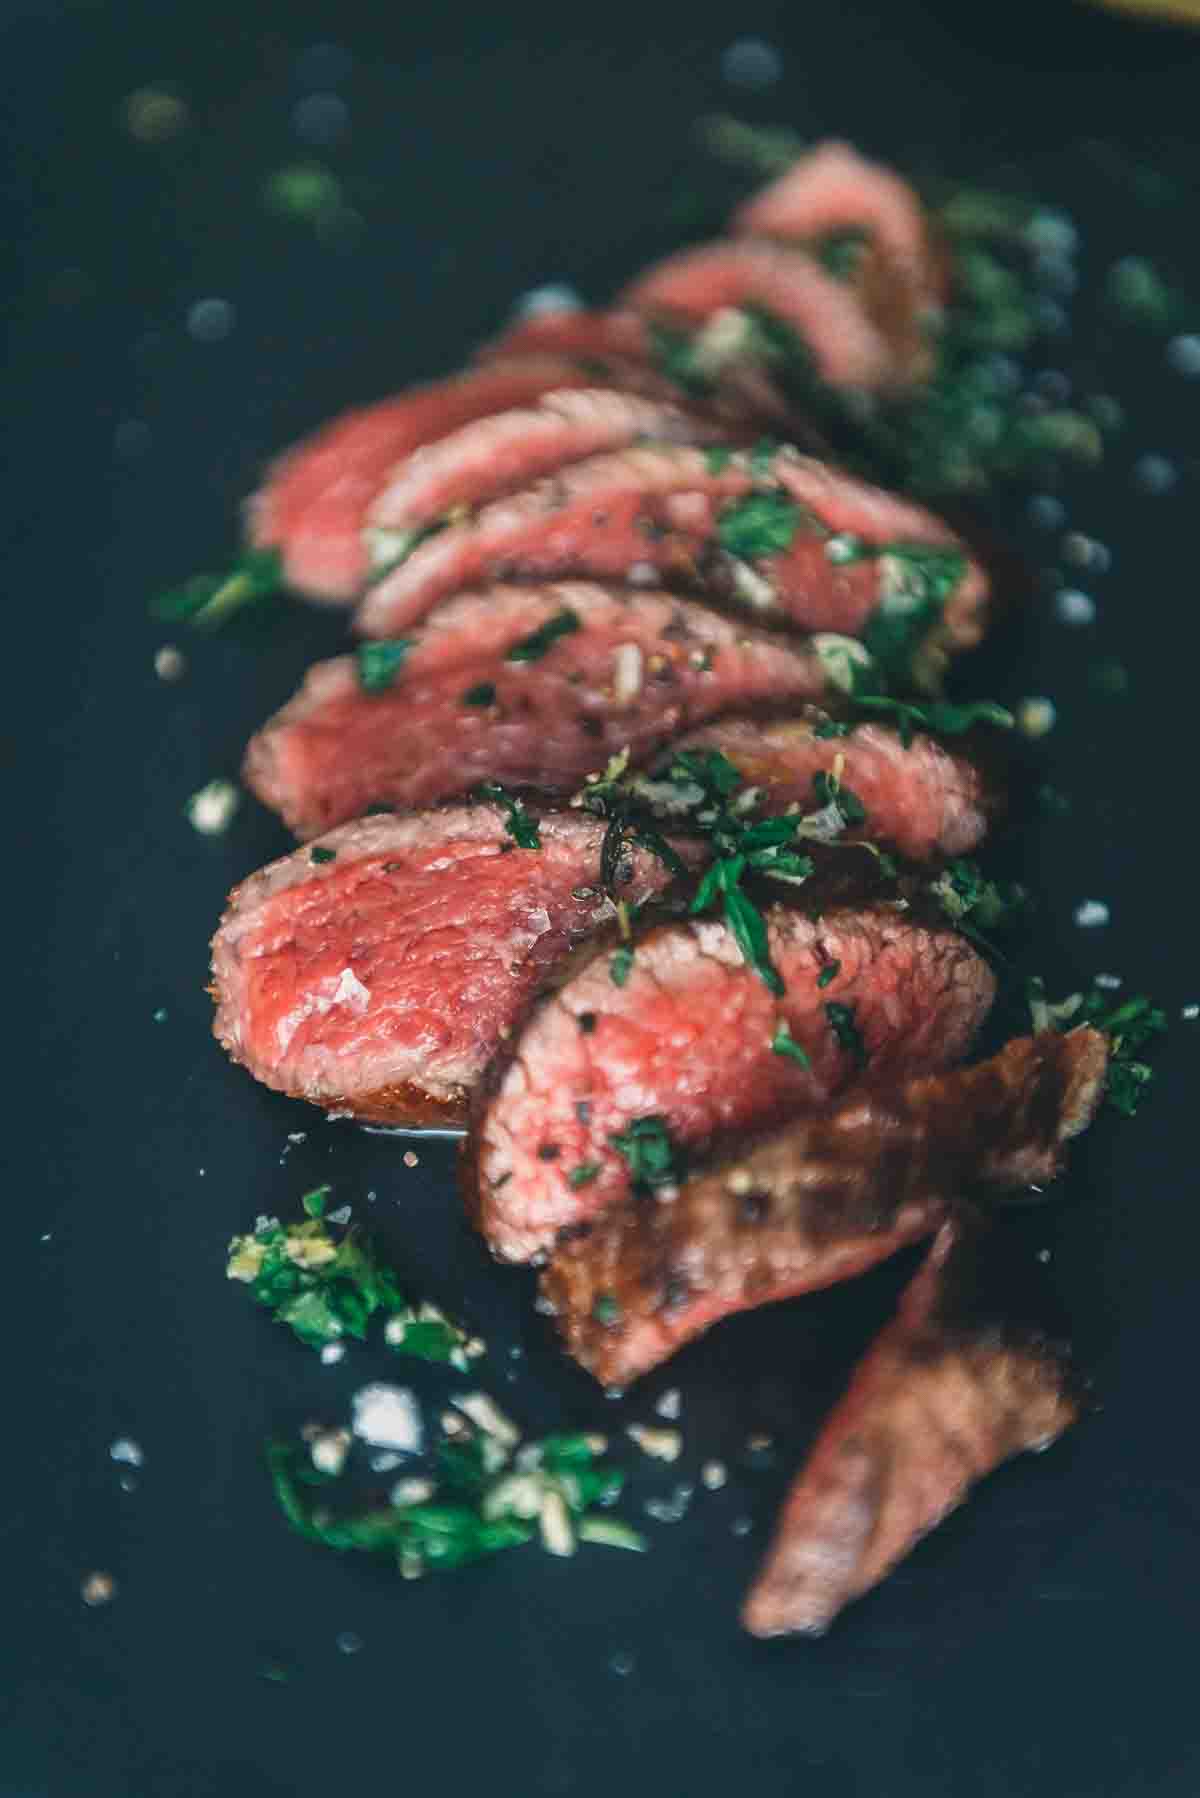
(1043, 1641)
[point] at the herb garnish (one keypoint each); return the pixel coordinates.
(840, 252)
(521, 827)
(845, 1028)
(320, 854)
(620, 965)
(717, 458)
(606, 1309)
(206, 600)
(380, 662)
(534, 647)
(939, 717)
(828, 974)
(760, 524)
(484, 694)
(784, 1043)
(829, 791)
(647, 1147)
(916, 580)
(584, 1174)
(973, 903)
(1129, 1026)
(322, 1286)
(486, 1498)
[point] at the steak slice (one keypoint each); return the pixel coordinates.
(661, 513)
(507, 450)
(921, 800)
(635, 670)
(379, 979)
(950, 1389)
(574, 332)
(846, 346)
(314, 502)
(687, 1039)
(819, 1201)
(834, 189)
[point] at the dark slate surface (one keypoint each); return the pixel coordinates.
(1041, 1642)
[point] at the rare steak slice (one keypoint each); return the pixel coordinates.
(818, 1201)
(833, 191)
(494, 455)
(375, 973)
(919, 798)
(528, 686)
(684, 1037)
(313, 506)
(791, 539)
(952, 1388)
(731, 275)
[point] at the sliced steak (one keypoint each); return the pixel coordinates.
(661, 513)
(378, 979)
(314, 503)
(952, 1388)
(688, 1039)
(846, 346)
(487, 692)
(921, 800)
(498, 454)
(833, 189)
(819, 1201)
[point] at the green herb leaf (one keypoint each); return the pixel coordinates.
(840, 252)
(830, 791)
(938, 717)
(484, 694)
(784, 1043)
(1130, 1025)
(760, 524)
(207, 600)
(963, 892)
(674, 354)
(314, 1202)
(319, 854)
(750, 933)
(522, 828)
(918, 579)
(844, 1024)
(534, 647)
(380, 662)
(647, 1147)
(584, 1174)
(717, 458)
(828, 974)
(620, 965)
(606, 1310)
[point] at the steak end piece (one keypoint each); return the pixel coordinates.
(953, 1387)
(379, 978)
(688, 1038)
(821, 1200)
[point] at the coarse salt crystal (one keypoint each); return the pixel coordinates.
(342, 1215)
(411, 1492)
(387, 1417)
(1073, 607)
(662, 1445)
(410, 1158)
(210, 811)
(126, 1451)
(332, 1353)
(1091, 913)
(1183, 355)
(1109, 982)
(669, 1403)
(713, 1475)
(329, 1451)
(1190, 1013)
(1035, 717)
(98, 1588)
(169, 662)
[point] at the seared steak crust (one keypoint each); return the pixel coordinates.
(817, 1202)
(688, 1038)
(951, 1389)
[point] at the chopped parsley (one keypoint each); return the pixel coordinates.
(647, 1147)
(207, 600)
(584, 1174)
(760, 524)
(784, 1043)
(717, 458)
(606, 1310)
(830, 791)
(320, 854)
(484, 694)
(487, 1495)
(620, 965)
(1129, 1026)
(938, 717)
(321, 1285)
(521, 827)
(380, 662)
(973, 903)
(917, 580)
(843, 1023)
(534, 647)
(840, 252)
(828, 974)
(674, 354)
